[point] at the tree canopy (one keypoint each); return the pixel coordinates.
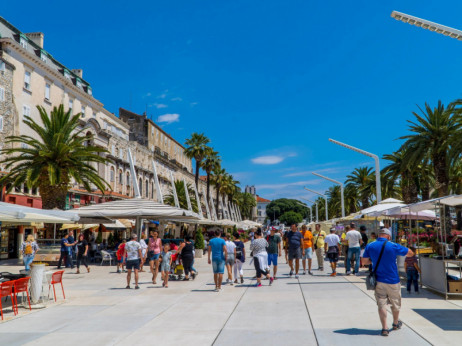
(280, 206)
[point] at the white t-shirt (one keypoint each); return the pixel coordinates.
(230, 246)
(132, 248)
(332, 240)
(353, 238)
(144, 247)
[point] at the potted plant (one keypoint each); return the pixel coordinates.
(199, 243)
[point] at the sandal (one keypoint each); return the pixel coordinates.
(397, 325)
(384, 332)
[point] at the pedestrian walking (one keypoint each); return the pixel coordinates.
(240, 258)
(120, 256)
(144, 251)
(319, 243)
(132, 257)
(65, 251)
(154, 247)
(216, 257)
(82, 253)
(273, 250)
(332, 248)
(285, 245)
(411, 266)
(186, 251)
(354, 248)
(165, 264)
(295, 242)
(382, 254)
(71, 249)
(28, 249)
(365, 239)
(260, 257)
(230, 258)
(308, 248)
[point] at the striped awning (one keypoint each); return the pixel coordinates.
(135, 208)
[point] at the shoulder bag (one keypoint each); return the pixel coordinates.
(316, 242)
(371, 279)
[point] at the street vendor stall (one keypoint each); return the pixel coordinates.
(441, 272)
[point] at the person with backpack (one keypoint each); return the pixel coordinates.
(240, 258)
(274, 250)
(29, 248)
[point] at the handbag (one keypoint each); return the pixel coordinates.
(316, 242)
(371, 279)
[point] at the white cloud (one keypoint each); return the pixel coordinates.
(162, 96)
(168, 118)
(159, 105)
(176, 99)
(268, 160)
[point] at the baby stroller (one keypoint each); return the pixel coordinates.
(177, 269)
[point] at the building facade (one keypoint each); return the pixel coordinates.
(262, 203)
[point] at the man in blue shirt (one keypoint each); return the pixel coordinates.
(388, 284)
(296, 250)
(65, 252)
(217, 249)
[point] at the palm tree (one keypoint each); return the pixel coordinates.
(351, 198)
(59, 155)
(400, 169)
(435, 132)
(197, 149)
(218, 179)
(181, 193)
(230, 187)
(334, 201)
(210, 162)
(361, 178)
(246, 202)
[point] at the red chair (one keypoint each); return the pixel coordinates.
(21, 286)
(6, 289)
(57, 278)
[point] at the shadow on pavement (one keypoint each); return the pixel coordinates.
(212, 290)
(319, 283)
(446, 319)
(358, 331)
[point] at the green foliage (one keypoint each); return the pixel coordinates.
(290, 218)
(199, 240)
(110, 240)
(99, 237)
(280, 206)
(181, 193)
(57, 153)
(246, 202)
(197, 149)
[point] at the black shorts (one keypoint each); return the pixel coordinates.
(295, 253)
(332, 254)
(133, 264)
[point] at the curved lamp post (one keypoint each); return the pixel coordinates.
(314, 203)
(377, 166)
(325, 199)
(341, 190)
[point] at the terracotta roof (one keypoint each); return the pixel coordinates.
(203, 177)
(262, 200)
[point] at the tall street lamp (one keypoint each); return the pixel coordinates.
(377, 166)
(341, 190)
(426, 24)
(325, 198)
(311, 211)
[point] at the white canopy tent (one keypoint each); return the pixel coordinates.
(386, 204)
(18, 213)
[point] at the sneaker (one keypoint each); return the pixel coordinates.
(216, 289)
(310, 272)
(296, 276)
(137, 287)
(304, 273)
(333, 274)
(242, 280)
(235, 281)
(231, 283)
(348, 273)
(321, 269)
(119, 271)
(193, 275)
(258, 285)
(291, 273)
(128, 287)
(271, 281)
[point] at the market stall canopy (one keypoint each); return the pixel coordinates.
(451, 201)
(18, 213)
(70, 226)
(386, 204)
(226, 222)
(404, 213)
(135, 208)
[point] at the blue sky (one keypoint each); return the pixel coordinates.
(268, 81)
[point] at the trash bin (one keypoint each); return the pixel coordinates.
(36, 281)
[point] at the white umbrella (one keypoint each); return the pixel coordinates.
(18, 213)
(378, 209)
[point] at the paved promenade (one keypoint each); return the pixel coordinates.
(313, 310)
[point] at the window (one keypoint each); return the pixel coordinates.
(26, 110)
(94, 114)
(128, 179)
(113, 150)
(121, 153)
(23, 42)
(71, 105)
(27, 75)
(152, 131)
(112, 174)
(140, 185)
(121, 179)
(43, 56)
(1, 126)
(89, 90)
(146, 190)
(47, 91)
(67, 74)
(2, 66)
(82, 112)
(78, 82)
(2, 94)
